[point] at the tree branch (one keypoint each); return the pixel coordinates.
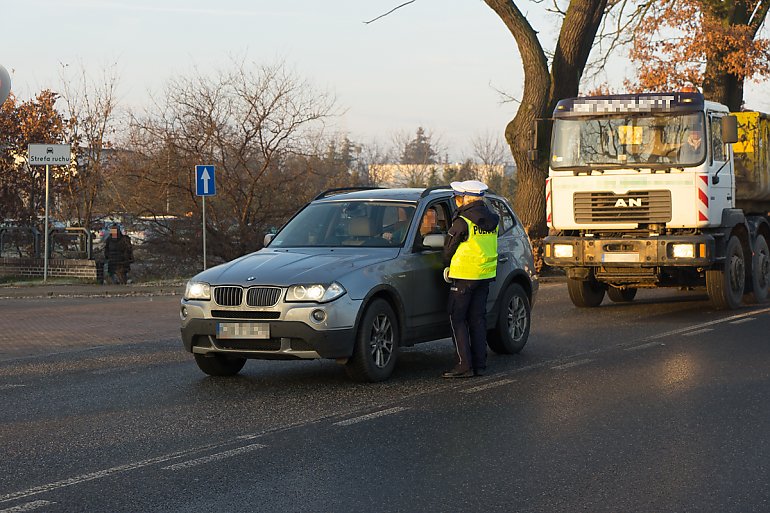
(390, 11)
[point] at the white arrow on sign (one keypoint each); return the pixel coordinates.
(205, 177)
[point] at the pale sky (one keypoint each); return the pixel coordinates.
(433, 63)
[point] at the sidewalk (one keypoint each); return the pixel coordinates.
(39, 290)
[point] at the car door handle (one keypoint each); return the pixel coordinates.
(502, 259)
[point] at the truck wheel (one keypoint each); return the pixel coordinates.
(511, 331)
(725, 286)
(376, 346)
(219, 364)
(585, 294)
(760, 277)
(621, 295)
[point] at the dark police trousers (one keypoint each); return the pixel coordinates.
(467, 315)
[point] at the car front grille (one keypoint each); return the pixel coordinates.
(228, 296)
(262, 296)
(633, 207)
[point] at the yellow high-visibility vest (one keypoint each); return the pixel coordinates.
(476, 258)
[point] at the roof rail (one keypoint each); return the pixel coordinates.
(434, 188)
(441, 187)
(338, 190)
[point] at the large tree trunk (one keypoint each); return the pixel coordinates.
(541, 92)
(530, 191)
(719, 85)
(722, 87)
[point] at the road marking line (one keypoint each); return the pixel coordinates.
(214, 457)
(645, 346)
(710, 323)
(104, 473)
(29, 506)
(487, 386)
(697, 332)
(741, 321)
(572, 364)
(10, 387)
(370, 416)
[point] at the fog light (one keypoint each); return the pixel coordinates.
(563, 251)
(183, 312)
(683, 251)
(318, 315)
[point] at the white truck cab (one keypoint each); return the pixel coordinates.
(642, 193)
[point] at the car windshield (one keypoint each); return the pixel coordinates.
(628, 140)
(348, 223)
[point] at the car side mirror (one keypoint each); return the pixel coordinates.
(268, 238)
(434, 241)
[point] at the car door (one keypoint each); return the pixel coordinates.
(424, 291)
(507, 242)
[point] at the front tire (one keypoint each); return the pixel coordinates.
(618, 295)
(585, 293)
(376, 347)
(219, 364)
(725, 286)
(760, 276)
(511, 331)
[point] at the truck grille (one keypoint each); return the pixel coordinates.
(228, 296)
(262, 296)
(633, 207)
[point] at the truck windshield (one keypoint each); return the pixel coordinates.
(629, 140)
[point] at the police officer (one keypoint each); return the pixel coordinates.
(470, 251)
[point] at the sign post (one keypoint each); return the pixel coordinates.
(205, 185)
(48, 155)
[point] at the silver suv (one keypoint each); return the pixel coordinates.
(354, 276)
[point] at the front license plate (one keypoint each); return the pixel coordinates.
(620, 257)
(243, 330)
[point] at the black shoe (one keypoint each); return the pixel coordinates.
(479, 372)
(454, 373)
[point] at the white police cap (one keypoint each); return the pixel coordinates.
(469, 187)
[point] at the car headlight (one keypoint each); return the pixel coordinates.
(683, 250)
(197, 290)
(315, 292)
(563, 251)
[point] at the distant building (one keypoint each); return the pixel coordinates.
(420, 175)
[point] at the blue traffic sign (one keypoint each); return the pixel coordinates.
(205, 185)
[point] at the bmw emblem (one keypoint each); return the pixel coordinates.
(250, 278)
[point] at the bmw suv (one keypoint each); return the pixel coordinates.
(355, 275)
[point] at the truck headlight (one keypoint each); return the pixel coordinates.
(683, 250)
(563, 251)
(197, 290)
(315, 292)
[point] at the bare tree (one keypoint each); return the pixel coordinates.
(489, 149)
(92, 109)
(256, 124)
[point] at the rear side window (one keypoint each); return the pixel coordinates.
(507, 220)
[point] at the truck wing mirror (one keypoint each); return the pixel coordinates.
(729, 129)
(268, 239)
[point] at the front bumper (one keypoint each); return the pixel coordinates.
(637, 252)
(292, 335)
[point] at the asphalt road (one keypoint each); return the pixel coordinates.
(659, 405)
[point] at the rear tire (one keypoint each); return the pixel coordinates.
(585, 294)
(376, 347)
(621, 295)
(760, 276)
(219, 364)
(725, 286)
(511, 331)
